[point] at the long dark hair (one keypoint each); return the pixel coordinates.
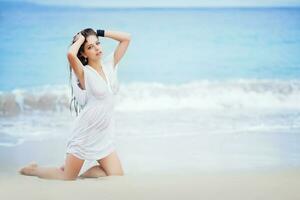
(86, 32)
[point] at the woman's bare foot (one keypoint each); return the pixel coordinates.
(29, 169)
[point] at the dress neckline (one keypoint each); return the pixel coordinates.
(107, 83)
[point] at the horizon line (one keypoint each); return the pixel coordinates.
(147, 7)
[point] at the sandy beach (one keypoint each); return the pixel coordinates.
(275, 184)
(177, 183)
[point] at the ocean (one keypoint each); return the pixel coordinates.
(201, 88)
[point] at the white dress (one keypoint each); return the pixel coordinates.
(93, 129)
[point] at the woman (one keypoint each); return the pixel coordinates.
(92, 137)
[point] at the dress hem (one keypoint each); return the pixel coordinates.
(102, 155)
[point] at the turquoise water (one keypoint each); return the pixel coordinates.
(168, 45)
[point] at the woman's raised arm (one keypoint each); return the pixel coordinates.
(124, 40)
(74, 60)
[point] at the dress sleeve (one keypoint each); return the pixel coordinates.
(79, 94)
(113, 72)
(110, 61)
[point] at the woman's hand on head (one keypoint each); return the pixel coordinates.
(79, 36)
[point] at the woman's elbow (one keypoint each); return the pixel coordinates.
(70, 55)
(128, 36)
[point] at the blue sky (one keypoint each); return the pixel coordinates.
(175, 3)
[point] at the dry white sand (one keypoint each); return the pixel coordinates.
(242, 185)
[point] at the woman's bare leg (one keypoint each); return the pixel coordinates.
(112, 165)
(94, 172)
(71, 170)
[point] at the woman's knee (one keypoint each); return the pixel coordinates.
(72, 167)
(69, 178)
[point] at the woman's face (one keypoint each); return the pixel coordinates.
(92, 49)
